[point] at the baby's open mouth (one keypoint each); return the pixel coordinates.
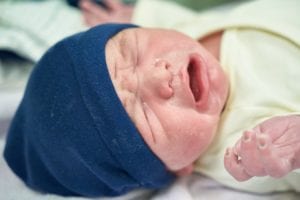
(195, 80)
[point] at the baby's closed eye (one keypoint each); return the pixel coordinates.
(129, 83)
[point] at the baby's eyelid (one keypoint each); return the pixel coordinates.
(115, 71)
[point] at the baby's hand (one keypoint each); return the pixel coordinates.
(116, 11)
(272, 148)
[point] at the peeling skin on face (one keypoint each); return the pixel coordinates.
(172, 88)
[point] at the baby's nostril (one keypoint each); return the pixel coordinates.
(162, 63)
(167, 66)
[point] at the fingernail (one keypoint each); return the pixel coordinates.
(262, 144)
(246, 136)
(227, 152)
(239, 158)
(85, 3)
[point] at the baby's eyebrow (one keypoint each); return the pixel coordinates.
(114, 67)
(128, 45)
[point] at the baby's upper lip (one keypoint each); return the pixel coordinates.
(198, 86)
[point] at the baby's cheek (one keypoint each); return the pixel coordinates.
(198, 140)
(188, 149)
(195, 146)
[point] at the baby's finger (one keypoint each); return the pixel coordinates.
(249, 154)
(237, 147)
(273, 164)
(90, 19)
(113, 4)
(233, 166)
(93, 8)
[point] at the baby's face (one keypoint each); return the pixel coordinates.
(172, 89)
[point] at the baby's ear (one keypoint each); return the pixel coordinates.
(185, 171)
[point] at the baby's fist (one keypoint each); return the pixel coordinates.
(271, 148)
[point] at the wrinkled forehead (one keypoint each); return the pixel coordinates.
(120, 45)
(150, 38)
(129, 36)
(125, 37)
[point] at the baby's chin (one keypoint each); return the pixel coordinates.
(193, 151)
(183, 167)
(185, 171)
(186, 163)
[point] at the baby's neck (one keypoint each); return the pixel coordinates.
(212, 43)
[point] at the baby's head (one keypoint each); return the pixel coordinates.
(115, 108)
(173, 90)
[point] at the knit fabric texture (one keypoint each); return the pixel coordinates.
(71, 135)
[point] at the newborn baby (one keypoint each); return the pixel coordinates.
(119, 107)
(175, 92)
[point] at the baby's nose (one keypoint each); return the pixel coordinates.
(162, 69)
(162, 77)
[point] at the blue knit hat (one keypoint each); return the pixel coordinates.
(71, 134)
